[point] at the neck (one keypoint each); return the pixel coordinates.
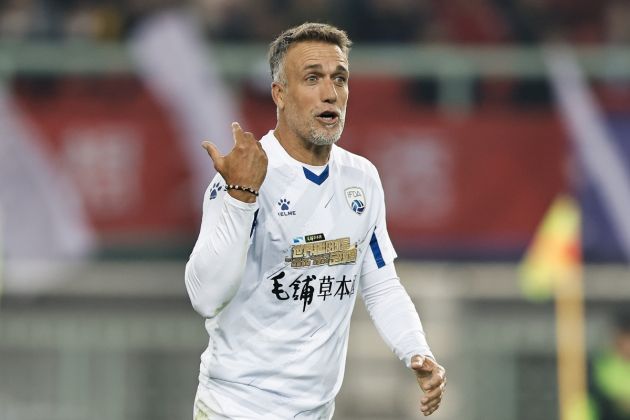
(301, 149)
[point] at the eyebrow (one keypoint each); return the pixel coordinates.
(320, 68)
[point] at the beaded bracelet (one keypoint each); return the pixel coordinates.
(241, 188)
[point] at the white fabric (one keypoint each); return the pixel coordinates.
(282, 355)
(394, 314)
(211, 280)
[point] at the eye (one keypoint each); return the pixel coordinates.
(311, 78)
(341, 80)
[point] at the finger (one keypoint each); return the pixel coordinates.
(436, 381)
(425, 365)
(250, 139)
(429, 411)
(433, 383)
(431, 378)
(432, 395)
(423, 383)
(237, 132)
(431, 406)
(417, 362)
(213, 152)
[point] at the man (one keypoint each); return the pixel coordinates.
(293, 228)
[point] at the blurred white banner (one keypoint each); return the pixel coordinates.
(174, 62)
(45, 229)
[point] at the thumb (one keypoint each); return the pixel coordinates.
(213, 152)
(417, 363)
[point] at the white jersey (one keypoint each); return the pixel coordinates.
(277, 349)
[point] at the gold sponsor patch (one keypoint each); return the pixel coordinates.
(330, 252)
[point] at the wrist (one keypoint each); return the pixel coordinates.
(242, 195)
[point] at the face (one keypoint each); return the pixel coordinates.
(313, 99)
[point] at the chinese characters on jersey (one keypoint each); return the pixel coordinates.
(306, 288)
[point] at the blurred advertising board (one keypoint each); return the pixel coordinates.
(121, 151)
(471, 184)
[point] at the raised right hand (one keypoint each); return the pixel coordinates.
(245, 165)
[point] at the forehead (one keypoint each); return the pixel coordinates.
(309, 53)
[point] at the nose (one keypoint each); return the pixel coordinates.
(329, 92)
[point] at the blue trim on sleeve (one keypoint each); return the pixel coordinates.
(313, 177)
(376, 250)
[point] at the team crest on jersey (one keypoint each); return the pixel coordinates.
(356, 199)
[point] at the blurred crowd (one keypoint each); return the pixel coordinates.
(431, 21)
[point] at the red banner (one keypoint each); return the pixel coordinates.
(120, 149)
(475, 183)
(472, 184)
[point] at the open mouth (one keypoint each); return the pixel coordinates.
(328, 117)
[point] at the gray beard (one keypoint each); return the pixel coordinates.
(320, 138)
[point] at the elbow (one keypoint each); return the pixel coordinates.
(194, 290)
(202, 309)
(200, 303)
(208, 298)
(209, 307)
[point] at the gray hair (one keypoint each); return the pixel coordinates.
(305, 32)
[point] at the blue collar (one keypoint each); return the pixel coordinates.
(313, 177)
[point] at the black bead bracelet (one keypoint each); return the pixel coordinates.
(241, 188)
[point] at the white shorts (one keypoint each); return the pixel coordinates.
(222, 405)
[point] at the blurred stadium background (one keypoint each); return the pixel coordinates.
(103, 105)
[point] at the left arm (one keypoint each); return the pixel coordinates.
(398, 323)
(393, 313)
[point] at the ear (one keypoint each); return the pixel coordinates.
(277, 93)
